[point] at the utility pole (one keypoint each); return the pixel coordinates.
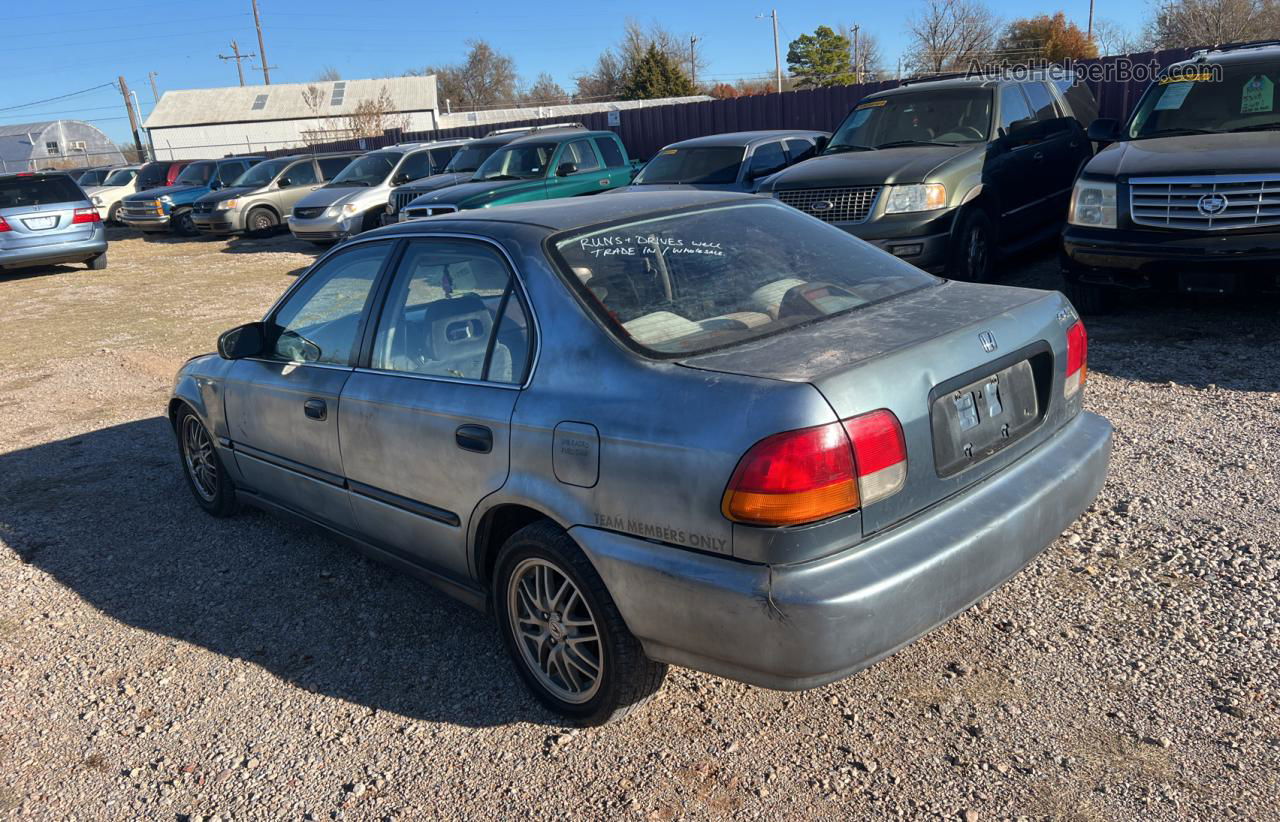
(155, 92)
(262, 47)
(693, 60)
(133, 116)
(1089, 34)
(855, 53)
(237, 56)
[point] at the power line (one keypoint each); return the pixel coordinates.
(59, 97)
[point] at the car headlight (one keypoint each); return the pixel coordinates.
(916, 197)
(344, 210)
(226, 205)
(1093, 204)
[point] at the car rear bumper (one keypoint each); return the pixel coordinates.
(1173, 261)
(800, 626)
(75, 251)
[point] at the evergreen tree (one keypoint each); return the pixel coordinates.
(820, 59)
(655, 75)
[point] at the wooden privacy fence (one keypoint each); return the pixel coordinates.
(1116, 84)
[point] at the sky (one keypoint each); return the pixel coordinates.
(86, 44)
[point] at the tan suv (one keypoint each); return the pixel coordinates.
(256, 202)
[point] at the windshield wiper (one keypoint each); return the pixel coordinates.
(843, 147)
(1256, 127)
(897, 143)
(342, 183)
(1174, 132)
(506, 177)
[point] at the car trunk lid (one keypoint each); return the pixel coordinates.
(968, 370)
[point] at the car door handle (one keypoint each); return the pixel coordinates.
(1039, 155)
(315, 409)
(476, 438)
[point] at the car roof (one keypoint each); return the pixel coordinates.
(572, 212)
(1236, 53)
(416, 146)
(942, 83)
(734, 139)
(559, 135)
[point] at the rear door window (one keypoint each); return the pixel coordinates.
(610, 152)
(1013, 107)
(20, 192)
(1041, 101)
(580, 153)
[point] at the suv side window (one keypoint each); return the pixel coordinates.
(415, 166)
(300, 174)
(330, 166)
(1013, 106)
(610, 152)
(452, 312)
(581, 153)
(320, 322)
(1041, 101)
(440, 158)
(799, 149)
(228, 172)
(766, 159)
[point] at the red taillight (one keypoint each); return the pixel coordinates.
(4, 225)
(1077, 359)
(808, 475)
(87, 215)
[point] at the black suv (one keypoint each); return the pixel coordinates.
(1187, 196)
(945, 173)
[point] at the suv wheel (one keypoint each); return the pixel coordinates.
(564, 632)
(261, 221)
(183, 224)
(206, 476)
(972, 247)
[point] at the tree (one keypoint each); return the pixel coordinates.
(604, 81)
(328, 74)
(1112, 38)
(655, 76)
(1045, 37)
(1208, 22)
(545, 91)
(820, 59)
(486, 77)
(375, 116)
(951, 35)
(614, 67)
(865, 50)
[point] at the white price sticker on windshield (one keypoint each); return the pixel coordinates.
(1173, 96)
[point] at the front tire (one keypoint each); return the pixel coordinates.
(260, 222)
(183, 224)
(206, 476)
(972, 248)
(113, 215)
(564, 632)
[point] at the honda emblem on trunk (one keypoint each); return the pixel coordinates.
(988, 341)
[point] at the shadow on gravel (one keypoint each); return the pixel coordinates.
(280, 241)
(109, 516)
(42, 271)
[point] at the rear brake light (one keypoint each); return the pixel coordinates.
(4, 225)
(811, 474)
(87, 215)
(1077, 359)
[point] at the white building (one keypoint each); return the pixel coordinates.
(212, 122)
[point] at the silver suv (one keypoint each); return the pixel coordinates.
(357, 198)
(259, 200)
(46, 219)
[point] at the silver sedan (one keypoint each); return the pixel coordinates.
(671, 428)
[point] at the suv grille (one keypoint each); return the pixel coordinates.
(429, 211)
(400, 199)
(1206, 203)
(834, 205)
(308, 213)
(139, 208)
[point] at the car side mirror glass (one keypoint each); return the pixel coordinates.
(214, 185)
(566, 169)
(400, 179)
(820, 145)
(248, 340)
(1104, 130)
(285, 182)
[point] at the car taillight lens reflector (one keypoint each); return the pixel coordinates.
(86, 215)
(4, 225)
(1077, 359)
(811, 474)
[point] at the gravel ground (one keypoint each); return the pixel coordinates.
(156, 663)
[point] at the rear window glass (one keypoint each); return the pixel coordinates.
(693, 281)
(16, 192)
(693, 165)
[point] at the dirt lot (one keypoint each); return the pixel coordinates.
(156, 663)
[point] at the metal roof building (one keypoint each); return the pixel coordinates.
(55, 144)
(213, 122)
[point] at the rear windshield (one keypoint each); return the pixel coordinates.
(196, 174)
(17, 192)
(697, 280)
(152, 175)
(693, 165)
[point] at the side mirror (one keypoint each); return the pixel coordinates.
(248, 340)
(400, 179)
(285, 182)
(566, 169)
(1104, 130)
(820, 144)
(215, 184)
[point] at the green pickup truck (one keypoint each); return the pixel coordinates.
(545, 165)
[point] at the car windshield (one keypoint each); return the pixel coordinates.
(951, 116)
(90, 178)
(527, 161)
(120, 177)
(693, 165)
(196, 174)
(693, 281)
(370, 170)
(262, 173)
(1211, 98)
(19, 192)
(469, 158)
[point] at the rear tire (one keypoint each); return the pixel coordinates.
(563, 631)
(260, 222)
(1089, 298)
(183, 224)
(98, 263)
(206, 476)
(972, 247)
(113, 215)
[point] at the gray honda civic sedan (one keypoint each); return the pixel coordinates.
(685, 428)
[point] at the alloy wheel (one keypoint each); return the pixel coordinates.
(555, 630)
(197, 450)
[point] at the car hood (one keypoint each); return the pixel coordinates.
(683, 187)
(1192, 154)
(325, 197)
(467, 195)
(435, 182)
(224, 194)
(157, 193)
(907, 164)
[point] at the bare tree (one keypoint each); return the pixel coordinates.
(545, 91)
(1112, 38)
(1208, 22)
(604, 80)
(486, 77)
(328, 74)
(951, 35)
(375, 116)
(866, 51)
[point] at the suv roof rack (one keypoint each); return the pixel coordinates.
(532, 129)
(1223, 47)
(929, 78)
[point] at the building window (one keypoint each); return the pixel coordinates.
(51, 147)
(339, 92)
(78, 145)
(260, 102)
